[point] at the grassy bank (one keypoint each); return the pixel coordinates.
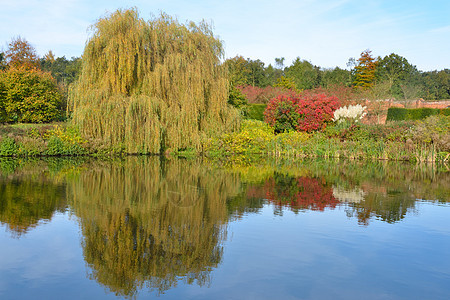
(415, 141)
(419, 141)
(58, 139)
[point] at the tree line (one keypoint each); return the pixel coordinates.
(35, 89)
(392, 76)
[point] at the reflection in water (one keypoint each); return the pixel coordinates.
(369, 190)
(149, 222)
(29, 196)
(300, 193)
(355, 195)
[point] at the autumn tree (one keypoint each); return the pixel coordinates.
(29, 96)
(44, 197)
(286, 83)
(364, 71)
(152, 86)
(21, 53)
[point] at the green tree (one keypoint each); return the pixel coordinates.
(238, 71)
(257, 73)
(335, 77)
(246, 71)
(279, 62)
(63, 70)
(2, 61)
(273, 74)
(397, 71)
(237, 99)
(305, 75)
(436, 84)
(364, 71)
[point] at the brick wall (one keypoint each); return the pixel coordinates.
(377, 110)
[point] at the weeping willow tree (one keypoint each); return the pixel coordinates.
(151, 223)
(152, 86)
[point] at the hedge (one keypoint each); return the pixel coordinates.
(403, 114)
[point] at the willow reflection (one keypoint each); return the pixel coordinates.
(148, 222)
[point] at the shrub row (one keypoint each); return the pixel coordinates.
(404, 114)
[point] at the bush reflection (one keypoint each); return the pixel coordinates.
(148, 222)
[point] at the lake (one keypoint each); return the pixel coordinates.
(147, 227)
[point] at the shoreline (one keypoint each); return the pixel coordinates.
(394, 142)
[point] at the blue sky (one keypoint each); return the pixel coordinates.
(325, 32)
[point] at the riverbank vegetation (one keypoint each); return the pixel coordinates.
(422, 141)
(163, 87)
(415, 141)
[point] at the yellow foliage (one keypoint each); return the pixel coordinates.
(152, 86)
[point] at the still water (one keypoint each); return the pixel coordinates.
(145, 228)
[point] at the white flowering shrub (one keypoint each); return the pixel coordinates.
(352, 113)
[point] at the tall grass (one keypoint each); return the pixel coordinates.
(256, 137)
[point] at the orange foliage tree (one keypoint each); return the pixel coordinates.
(365, 70)
(21, 53)
(27, 94)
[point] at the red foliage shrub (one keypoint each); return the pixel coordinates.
(256, 94)
(304, 112)
(301, 193)
(282, 113)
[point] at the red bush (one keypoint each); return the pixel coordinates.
(304, 112)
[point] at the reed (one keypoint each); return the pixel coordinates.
(152, 86)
